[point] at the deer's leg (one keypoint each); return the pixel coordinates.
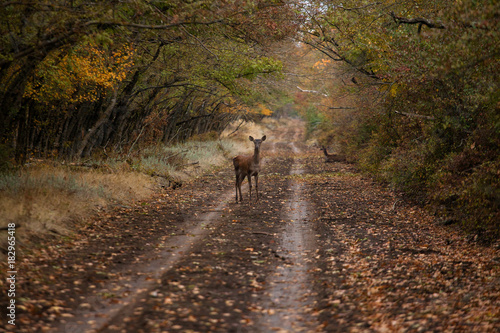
(239, 188)
(257, 185)
(240, 180)
(236, 185)
(249, 188)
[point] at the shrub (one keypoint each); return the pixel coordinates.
(479, 200)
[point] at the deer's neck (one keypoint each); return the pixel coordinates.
(256, 156)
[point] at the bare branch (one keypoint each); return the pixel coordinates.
(311, 91)
(200, 42)
(148, 26)
(237, 128)
(361, 7)
(193, 118)
(414, 115)
(418, 20)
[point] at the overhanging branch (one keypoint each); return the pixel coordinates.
(420, 21)
(193, 118)
(311, 91)
(150, 26)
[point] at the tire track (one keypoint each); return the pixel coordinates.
(242, 268)
(290, 294)
(141, 279)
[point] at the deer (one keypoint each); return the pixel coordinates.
(248, 166)
(329, 158)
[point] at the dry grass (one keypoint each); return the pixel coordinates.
(257, 130)
(46, 200)
(240, 142)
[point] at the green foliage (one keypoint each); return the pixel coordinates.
(233, 69)
(314, 118)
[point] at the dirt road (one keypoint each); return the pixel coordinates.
(324, 250)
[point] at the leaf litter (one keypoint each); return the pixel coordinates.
(372, 262)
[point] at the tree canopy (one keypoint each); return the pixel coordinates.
(80, 74)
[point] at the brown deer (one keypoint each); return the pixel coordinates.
(329, 158)
(248, 166)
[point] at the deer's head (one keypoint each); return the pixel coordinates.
(257, 142)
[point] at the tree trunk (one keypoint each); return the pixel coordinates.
(102, 119)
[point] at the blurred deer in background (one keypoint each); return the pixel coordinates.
(329, 158)
(248, 166)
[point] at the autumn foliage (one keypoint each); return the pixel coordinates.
(79, 77)
(423, 76)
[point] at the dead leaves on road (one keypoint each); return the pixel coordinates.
(379, 264)
(394, 269)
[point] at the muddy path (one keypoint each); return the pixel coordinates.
(324, 250)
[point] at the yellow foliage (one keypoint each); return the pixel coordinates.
(265, 111)
(79, 75)
(322, 63)
(394, 90)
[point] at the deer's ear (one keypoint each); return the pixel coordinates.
(263, 138)
(251, 138)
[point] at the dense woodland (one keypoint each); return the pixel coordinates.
(426, 117)
(408, 90)
(82, 75)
